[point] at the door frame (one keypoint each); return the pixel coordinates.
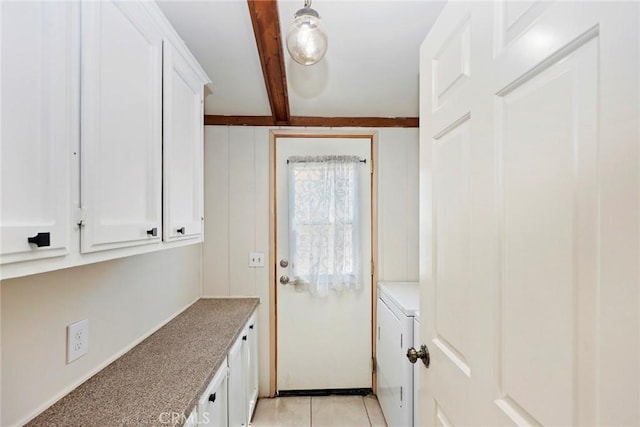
(274, 134)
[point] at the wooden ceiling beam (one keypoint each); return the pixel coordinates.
(266, 29)
(211, 120)
(301, 121)
(366, 122)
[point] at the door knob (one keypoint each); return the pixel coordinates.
(284, 279)
(423, 354)
(284, 263)
(180, 230)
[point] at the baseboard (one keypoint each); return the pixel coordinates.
(327, 392)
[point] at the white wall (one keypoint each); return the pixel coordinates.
(398, 205)
(236, 175)
(125, 300)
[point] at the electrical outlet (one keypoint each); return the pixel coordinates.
(77, 340)
(256, 259)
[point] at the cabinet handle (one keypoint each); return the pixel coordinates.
(180, 230)
(244, 338)
(153, 232)
(250, 326)
(40, 239)
(212, 397)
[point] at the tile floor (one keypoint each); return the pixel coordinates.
(319, 411)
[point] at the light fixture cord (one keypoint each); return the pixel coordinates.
(307, 3)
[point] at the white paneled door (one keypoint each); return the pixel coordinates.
(529, 214)
(323, 342)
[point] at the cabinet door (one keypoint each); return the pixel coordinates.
(237, 383)
(212, 407)
(251, 353)
(182, 149)
(121, 125)
(39, 116)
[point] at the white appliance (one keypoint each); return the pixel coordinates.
(397, 305)
(416, 369)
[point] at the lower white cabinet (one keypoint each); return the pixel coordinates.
(231, 396)
(252, 365)
(237, 383)
(243, 375)
(213, 404)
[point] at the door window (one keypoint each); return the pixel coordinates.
(324, 223)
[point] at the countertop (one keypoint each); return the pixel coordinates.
(165, 373)
(404, 295)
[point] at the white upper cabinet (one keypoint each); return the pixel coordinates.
(38, 128)
(81, 153)
(121, 126)
(182, 148)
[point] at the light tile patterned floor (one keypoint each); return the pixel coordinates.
(319, 411)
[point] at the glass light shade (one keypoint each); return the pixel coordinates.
(306, 37)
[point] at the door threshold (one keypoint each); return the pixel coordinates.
(327, 392)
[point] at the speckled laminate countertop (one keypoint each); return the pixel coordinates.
(165, 373)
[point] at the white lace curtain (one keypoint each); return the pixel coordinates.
(324, 226)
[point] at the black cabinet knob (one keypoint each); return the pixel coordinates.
(40, 239)
(244, 338)
(250, 326)
(212, 397)
(180, 230)
(153, 232)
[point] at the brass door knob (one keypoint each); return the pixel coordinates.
(423, 354)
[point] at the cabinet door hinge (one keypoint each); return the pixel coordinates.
(372, 267)
(371, 166)
(81, 216)
(373, 364)
(400, 340)
(400, 393)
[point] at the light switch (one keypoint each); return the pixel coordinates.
(256, 259)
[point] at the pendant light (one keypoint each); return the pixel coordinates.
(306, 37)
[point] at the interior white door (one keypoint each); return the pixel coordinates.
(529, 214)
(323, 343)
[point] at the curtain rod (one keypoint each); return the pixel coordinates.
(305, 161)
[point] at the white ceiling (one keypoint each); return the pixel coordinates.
(370, 69)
